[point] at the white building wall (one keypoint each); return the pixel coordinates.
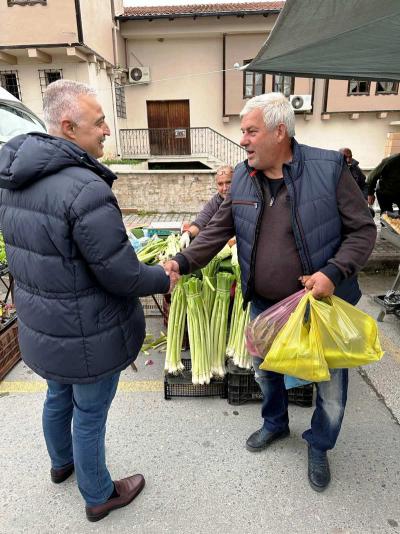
(180, 69)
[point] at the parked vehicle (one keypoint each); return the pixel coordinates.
(16, 118)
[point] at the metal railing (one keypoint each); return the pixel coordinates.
(194, 142)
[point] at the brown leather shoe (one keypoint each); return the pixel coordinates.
(127, 489)
(59, 475)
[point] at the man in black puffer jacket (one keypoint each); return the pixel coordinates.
(77, 283)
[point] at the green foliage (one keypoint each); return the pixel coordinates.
(3, 258)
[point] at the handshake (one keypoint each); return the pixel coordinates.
(171, 268)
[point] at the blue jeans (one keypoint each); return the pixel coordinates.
(86, 407)
(330, 403)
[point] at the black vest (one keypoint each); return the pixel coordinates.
(311, 179)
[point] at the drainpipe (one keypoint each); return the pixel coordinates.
(223, 72)
(115, 118)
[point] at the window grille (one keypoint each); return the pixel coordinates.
(9, 80)
(120, 103)
(47, 76)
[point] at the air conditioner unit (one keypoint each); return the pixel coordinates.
(139, 75)
(301, 102)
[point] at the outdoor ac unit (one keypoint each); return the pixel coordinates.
(301, 102)
(139, 75)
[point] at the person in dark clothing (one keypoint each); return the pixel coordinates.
(77, 283)
(384, 180)
(223, 179)
(355, 170)
(298, 216)
(357, 174)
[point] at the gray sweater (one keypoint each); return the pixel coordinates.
(208, 212)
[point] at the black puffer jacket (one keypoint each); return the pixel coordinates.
(77, 276)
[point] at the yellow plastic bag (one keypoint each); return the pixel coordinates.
(297, 350)
(349, 337)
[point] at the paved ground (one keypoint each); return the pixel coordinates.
(200, 478)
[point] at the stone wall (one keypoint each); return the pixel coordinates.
(164, 191)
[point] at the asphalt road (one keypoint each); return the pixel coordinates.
(200, 478)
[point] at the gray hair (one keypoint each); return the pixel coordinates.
(276, 109)
(225, 168)
(61, 98)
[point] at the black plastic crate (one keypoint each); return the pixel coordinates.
(181, 385)
(242, 387)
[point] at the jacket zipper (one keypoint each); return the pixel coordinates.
(249, 289)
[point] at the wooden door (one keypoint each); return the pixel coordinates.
(169, 127)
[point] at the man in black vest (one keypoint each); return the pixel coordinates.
(77, 280)
(299, 217)
(384, 180)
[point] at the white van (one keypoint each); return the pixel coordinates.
(15, 118)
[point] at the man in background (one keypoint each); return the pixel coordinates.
(355, 170)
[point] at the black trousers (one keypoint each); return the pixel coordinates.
(386, 201)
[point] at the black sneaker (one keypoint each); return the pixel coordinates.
(319, 474)
(262, 438)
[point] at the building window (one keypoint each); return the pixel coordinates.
(46, 77)
(253, 82)
(10, 82)
(26, 2)
(387, 88)
(283, 84)
(120, 100)
(358, 87)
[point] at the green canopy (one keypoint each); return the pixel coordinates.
(345, 39)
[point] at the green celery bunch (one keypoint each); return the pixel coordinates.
(209, 273)
(236, 346)
(219, 323)
(176, 329)
(151, 252)
(199, 332)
